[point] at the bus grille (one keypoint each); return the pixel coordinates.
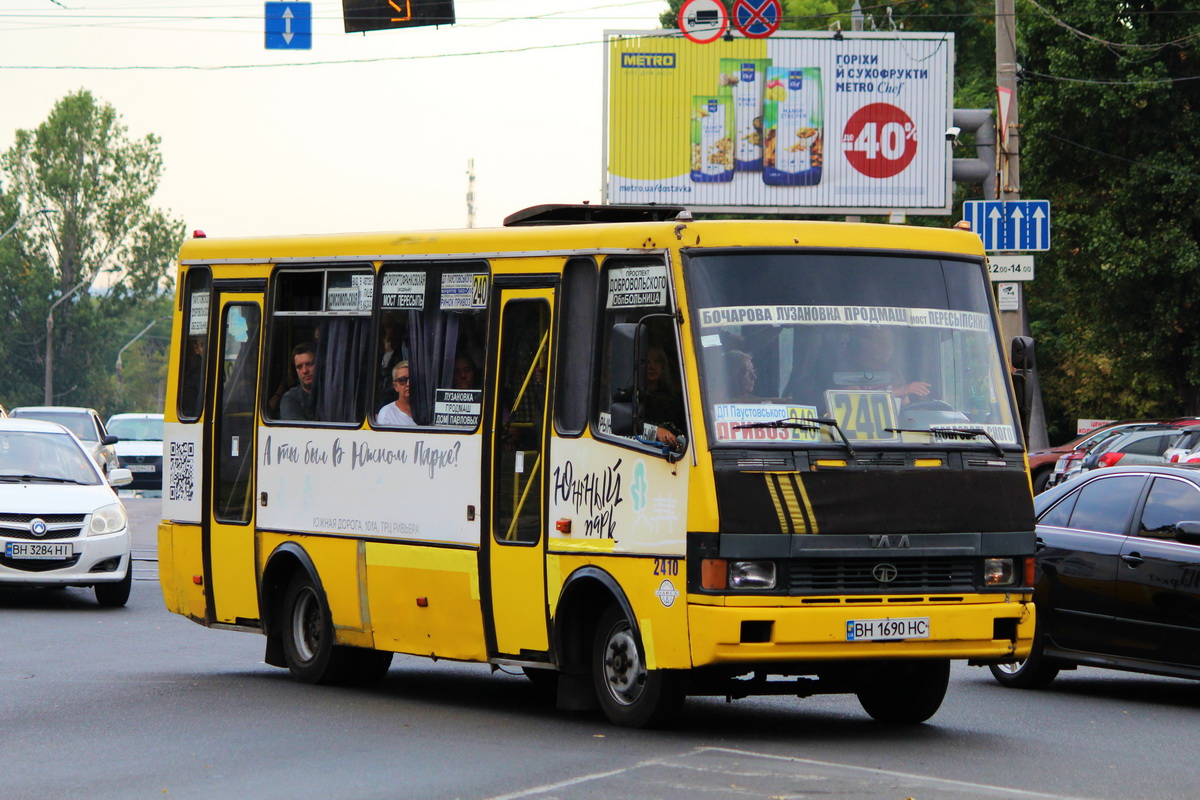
(842, 576)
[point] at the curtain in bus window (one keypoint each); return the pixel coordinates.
(433, 338)
(341, 385)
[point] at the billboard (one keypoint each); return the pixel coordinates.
(800, 122)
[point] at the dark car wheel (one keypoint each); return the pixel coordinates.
(1032, 673)
(115, 595)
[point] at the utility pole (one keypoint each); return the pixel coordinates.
(1008, 187)
(470, 193)
(49, 379)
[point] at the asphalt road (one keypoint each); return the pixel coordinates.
(140, 703)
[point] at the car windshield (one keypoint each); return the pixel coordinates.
(875, 348)
(79, 424)
(136, 429)
(38, 456)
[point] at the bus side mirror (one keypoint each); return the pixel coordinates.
(626, 373)
(1022, 379)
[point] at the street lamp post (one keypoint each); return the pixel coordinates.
(18, 220)
(50, 340)
(121, 352)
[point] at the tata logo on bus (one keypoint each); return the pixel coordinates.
(647, 60)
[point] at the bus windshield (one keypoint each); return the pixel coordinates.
(847, 348)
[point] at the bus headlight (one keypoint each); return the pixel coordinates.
(999, 571)
(751, 574)
(107, 519)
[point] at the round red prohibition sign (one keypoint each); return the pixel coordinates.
(757, 19)
(880, 140)
(703, 21)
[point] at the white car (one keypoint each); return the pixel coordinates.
(84, 423)
(61, 523)
(140, 447)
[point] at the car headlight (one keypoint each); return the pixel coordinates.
(107, 519)
(752, 574)
(998, 571)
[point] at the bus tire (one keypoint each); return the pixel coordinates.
(907, 692)
(308, 639)
(629, 694)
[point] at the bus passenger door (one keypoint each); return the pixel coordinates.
(516, 548)
(230, 563)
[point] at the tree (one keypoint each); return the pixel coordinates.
(1110, 106)
(80, 163)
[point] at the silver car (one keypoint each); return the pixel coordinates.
(84, 423)
(1135, 448)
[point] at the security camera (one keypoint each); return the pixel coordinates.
(952, 134)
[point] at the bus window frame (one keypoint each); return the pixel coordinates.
(575, 352)
(600, 363)
(438, 267)
(275, 323)
(194, 271)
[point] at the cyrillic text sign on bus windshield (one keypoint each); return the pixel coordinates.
(795, 122)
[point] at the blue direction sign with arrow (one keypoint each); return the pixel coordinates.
(289, 26)
(1010, 224)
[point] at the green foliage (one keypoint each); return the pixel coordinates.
(103, 257)
(1109, 135)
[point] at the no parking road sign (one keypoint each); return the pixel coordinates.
(1010, 224)
(757, 19)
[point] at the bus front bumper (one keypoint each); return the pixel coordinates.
(983, 628)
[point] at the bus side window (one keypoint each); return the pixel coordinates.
(576, 332)
(319, 344)
(434, 317)
(637, 290)
(193, 360)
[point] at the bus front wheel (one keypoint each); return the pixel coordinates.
(630, 694)
(309, 643)
(906, 692)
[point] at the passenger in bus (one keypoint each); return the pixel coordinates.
(399, 412)
(299, 402)
(465, 374)
(662, 399)
(740, 377)
(872, 366)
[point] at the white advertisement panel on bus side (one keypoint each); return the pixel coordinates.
(402, 485)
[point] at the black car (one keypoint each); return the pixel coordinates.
(1118, 576)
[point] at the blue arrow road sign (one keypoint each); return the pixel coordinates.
(1010, 224)
(289, 26)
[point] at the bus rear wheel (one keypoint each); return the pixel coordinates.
(629, 694)
(309, 643)
(905, 692)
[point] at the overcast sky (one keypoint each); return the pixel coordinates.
(362, 132)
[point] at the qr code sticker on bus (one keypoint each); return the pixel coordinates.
(182, 471)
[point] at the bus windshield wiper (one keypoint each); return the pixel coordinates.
(805, 424)
(952, 433)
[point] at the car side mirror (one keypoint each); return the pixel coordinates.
(119, 477)
(108, 439)
(1187, 532)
